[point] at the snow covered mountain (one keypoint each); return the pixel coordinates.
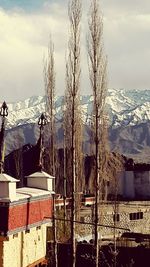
(128, 107)
(125, 107)
(128, 112)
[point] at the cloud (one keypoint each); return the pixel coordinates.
(117, 7)
(24, 41)
(25, 36)
(126, 31)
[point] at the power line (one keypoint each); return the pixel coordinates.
(89, 223)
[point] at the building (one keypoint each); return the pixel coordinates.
(25, 215)
(134, 184)
(127, 208)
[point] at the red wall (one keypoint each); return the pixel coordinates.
(29, 213)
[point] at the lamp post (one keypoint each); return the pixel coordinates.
(3, 114)
(41, 122)
(4, 110)
(55, 259)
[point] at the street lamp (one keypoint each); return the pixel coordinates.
(3, 114)
(41, 122)
(4, 110)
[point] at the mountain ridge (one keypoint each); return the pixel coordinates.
(124, 107)
(128, 112)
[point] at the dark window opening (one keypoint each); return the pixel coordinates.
(136, 216)
(116, 217)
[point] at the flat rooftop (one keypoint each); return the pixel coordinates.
(26, 193)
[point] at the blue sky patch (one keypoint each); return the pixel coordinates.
(28, 5)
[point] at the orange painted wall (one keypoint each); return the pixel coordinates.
(29, 213)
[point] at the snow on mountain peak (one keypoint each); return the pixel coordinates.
(125, 107)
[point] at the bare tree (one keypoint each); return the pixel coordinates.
(97, 70)
(49, 80)
(72, 120)
(104, 156)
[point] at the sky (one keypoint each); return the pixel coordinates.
(25, 27)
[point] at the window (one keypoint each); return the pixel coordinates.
(132, 216)
(15, 235)
(116, 217)
(82, 219)
(27, 231)
(50, 233)
(136, 216)
(140, 215)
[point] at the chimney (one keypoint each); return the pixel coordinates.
(41, 180)
(7, 187)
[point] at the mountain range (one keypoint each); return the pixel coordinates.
(128, 113)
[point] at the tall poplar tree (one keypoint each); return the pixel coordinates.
(98, 78)
(49, 80)
(72, 114)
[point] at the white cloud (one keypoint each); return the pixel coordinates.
(126, 30)
(24, 40)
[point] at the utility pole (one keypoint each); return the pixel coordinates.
(54, 233)
(97, 189)
(65, 184)
(3, 114)
(115, 252)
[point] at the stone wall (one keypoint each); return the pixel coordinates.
(132, 215)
